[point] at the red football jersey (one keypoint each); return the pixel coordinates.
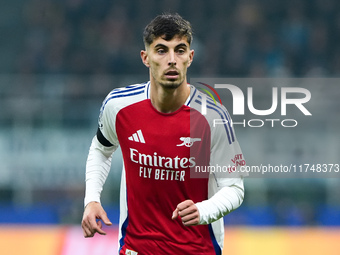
(161, 153)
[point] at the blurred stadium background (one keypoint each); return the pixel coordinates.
(59, 59)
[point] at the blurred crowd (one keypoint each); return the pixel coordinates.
(97, 44)
(239, 38)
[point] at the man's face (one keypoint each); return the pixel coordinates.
(168, 61)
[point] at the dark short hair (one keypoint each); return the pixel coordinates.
(167, 26)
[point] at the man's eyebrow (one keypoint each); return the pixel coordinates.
(181, 45)
(160, 45)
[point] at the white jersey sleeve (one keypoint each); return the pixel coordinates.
(98, 162)
(224, 201)
(105, 143)
(226, 189)
(106, 122)
(98, 166)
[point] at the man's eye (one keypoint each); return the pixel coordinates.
(160, 51)
(181, 51)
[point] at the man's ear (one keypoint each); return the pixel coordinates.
(145, 58)
(191, 57)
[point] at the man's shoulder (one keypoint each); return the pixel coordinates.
(207, 105)
(124, 96)
(128, 91)
(215, 113)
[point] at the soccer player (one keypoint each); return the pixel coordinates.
(169, 202)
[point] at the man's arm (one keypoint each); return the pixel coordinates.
(97, 169)
(98, 166)
(227, 199)
(227, 189)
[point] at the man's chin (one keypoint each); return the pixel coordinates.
(171, 84)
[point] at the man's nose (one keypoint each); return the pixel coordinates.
(172, 59)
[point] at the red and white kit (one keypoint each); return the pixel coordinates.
(166, 157)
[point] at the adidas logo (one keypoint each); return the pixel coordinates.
(137, 137)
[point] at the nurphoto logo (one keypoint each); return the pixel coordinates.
(241, 102)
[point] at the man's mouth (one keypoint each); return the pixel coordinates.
(172, 74)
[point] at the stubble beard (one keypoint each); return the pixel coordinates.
(171, 85)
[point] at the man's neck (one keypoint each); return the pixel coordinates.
(169, 100)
